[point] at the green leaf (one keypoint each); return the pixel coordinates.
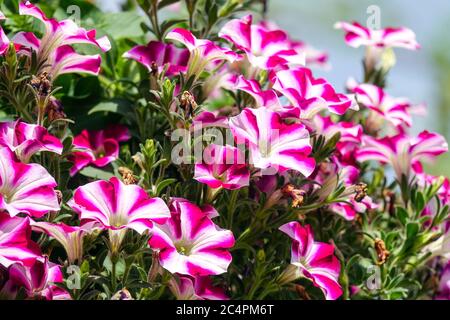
(402, 215)
(412, 229)
(122, 24)
(120, 106)
(163, 184)
(95, 173)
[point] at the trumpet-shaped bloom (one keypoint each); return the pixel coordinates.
(311, 95)
(358, 35)
(38, 280)
(314, 260)
(401, 151)
(97, 148)
(313, 56)
(222, 167)
(114, 205)
(26, 139)
(25, 188)
(71, 238)
(4, 41)
(15, 242)
(190, 243)
(272, 143)
(159, 54)
(54, 51)
(198, 288)
(383, 107)
(202, 51)
(265, 49)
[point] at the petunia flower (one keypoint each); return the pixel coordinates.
(156, 55)
(190, 243)
(202, 51)
(198, 288)
(444, 284)
(222, 167)
(97, 147)
(25, 188)
(313, 57)
(26, 139)
(309, 94)
(116, 207)
(37, 280)
(4, 41)
(273, 144)
(401, 151)
(265, 49)
(313, 260)
(70, 237)
(15, 241)
(358, 35)
(54, 50)
(383, 108)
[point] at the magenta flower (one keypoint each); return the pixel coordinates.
(313, 56)
(311, 95)
(222, 167)
(198, 288)
(444, 284)
(38, 280)
(190, 243)
(54, 51)
(114, 206)
(358, 35)
(265, 49)
(71, 238)
(207, 119)
(402, 152)
(25, 188)
(26, 139)
(384, 108)
(202, 51)
(97, 148)
(4, 41)
(313, 260)
(272, 143)
(159, 54)
(15, 241)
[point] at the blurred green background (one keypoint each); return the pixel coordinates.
(423, 76)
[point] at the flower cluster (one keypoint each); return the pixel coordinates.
(110, 189)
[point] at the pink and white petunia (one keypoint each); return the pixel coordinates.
(70, 237)
(273, 144)
(202, 51)
(15, 241)
(97, 147)
(444, 284)
(4, 41)
(26, 139)
(198, 288)
(384, 108)
(25, 188)
(313, 56)
(222, 167)
(38, 280)
(206, 119)
(309, 94)
(265, 49)
(358, 35)
(313, 260)
(157, 55)
(54, 50)
(114, 206)
(404, 153)
(189, 243)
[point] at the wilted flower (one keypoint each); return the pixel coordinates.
(313, 260)
(402, 152)
(190, 243)
(98, 148)
(272, 143)
(265, 49)
(156, 55)
(26, 139)
(15, 241)
(309, 94)
(25, 188)
(114, 206)
(55, 54)
(196, 288)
